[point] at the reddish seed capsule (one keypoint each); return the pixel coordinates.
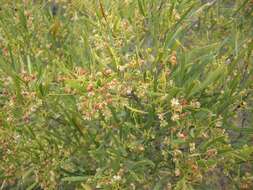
(89, 88)
(173, 58)
(98, 106)
(26, 118)
(211, 152)
(109, 101)
(184, 102)
(5, 52)
(107, 72)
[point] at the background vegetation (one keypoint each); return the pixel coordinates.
(126, 94)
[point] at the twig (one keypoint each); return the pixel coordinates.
(102, 11)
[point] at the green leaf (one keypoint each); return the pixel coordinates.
(140, 5)
(75, 178)
(211, 78)
(141, 163)
(211, 142)
(135, 110)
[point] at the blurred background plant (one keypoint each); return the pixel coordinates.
(131, 94)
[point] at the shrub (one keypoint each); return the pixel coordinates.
(130, 94)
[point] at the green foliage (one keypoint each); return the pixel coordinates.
(126, 94)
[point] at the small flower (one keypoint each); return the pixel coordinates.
(205, 135)
(218, 124)
(163, 122)
(161, 116)
(122, 68)
(129, 91)
(99, 74)
(177, 153)
(133, 186)
(177, 172)
(176, 15)
(176, 106)
(195, 104)
(166, 141)
(175, 117)
(174, 102)
(243, 104)
(192, 147)
(116, 178)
